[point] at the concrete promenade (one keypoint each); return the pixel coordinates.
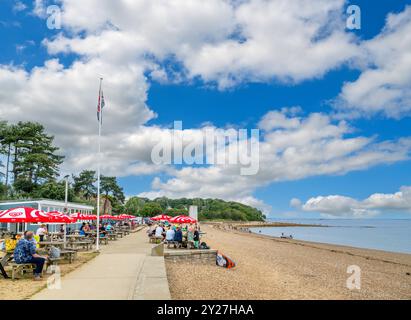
(124, 270)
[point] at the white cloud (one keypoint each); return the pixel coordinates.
(221, 41)
(384, 86)
(19, 6)
(341, 206)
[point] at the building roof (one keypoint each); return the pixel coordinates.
(47, 202)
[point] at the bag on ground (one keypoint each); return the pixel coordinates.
(54, 253)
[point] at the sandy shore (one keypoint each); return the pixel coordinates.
(270, 268)
(25, 287)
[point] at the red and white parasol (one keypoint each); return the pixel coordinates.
(126, 216)
(183, 219)
(25, 215)
(60, 217)
(107, 217)
(161, 217)
(82, 216)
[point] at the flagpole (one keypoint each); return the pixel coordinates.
(98, 171)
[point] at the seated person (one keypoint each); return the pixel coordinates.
(151, 231)
(196, 238)
(190, 235)
(102, 230)
(109, 227)
(178, 236)
(41, 232)
(159, 232)
(82, 231)
(25, 252)
(170, 234)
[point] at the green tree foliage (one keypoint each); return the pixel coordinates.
(84, 184)
(209, 209)
(34, 158)
(109, 186)
(151, 209)
(55, 191)
(134, 205)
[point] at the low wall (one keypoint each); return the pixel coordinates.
(194, 256)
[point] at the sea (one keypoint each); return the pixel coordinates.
(381, 234)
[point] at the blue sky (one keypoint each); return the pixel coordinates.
(199, 100)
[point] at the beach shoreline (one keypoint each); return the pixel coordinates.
(274, 268)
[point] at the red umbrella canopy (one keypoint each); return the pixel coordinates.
(81, 216)
(183, 219)
(161, 217)
(108, 217)
(25, 214)
(126, 216)
(60, 217)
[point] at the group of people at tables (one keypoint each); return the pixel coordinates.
(26, 247)
(87, 228)
(176, 233)
(84, 230)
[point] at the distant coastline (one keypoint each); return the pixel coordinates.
(245, 226)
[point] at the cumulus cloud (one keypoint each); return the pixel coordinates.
(384, 86)
(341, 206)
(221, 41)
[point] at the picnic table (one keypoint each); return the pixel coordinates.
(70, 255)
(111, 236)
(84, 244)
(103, 240)
(51, 243)
(119, 233)
(75, 237)
(55, 236)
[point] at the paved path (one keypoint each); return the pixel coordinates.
(124, 270)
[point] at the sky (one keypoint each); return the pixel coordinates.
(332, 104)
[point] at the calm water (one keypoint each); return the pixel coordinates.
(382, 234)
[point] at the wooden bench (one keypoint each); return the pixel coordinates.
(83, 244)
(20, 269)
(69, 255)
(103, 240)
(112, 236)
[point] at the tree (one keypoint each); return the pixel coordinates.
(84, 184)
(110, 187)
(5, 145)
(55, 191)
(35, 159)
(134, 205)
(151, 209)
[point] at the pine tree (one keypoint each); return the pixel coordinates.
(35, 159)
(84, 184)
(110, 187)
